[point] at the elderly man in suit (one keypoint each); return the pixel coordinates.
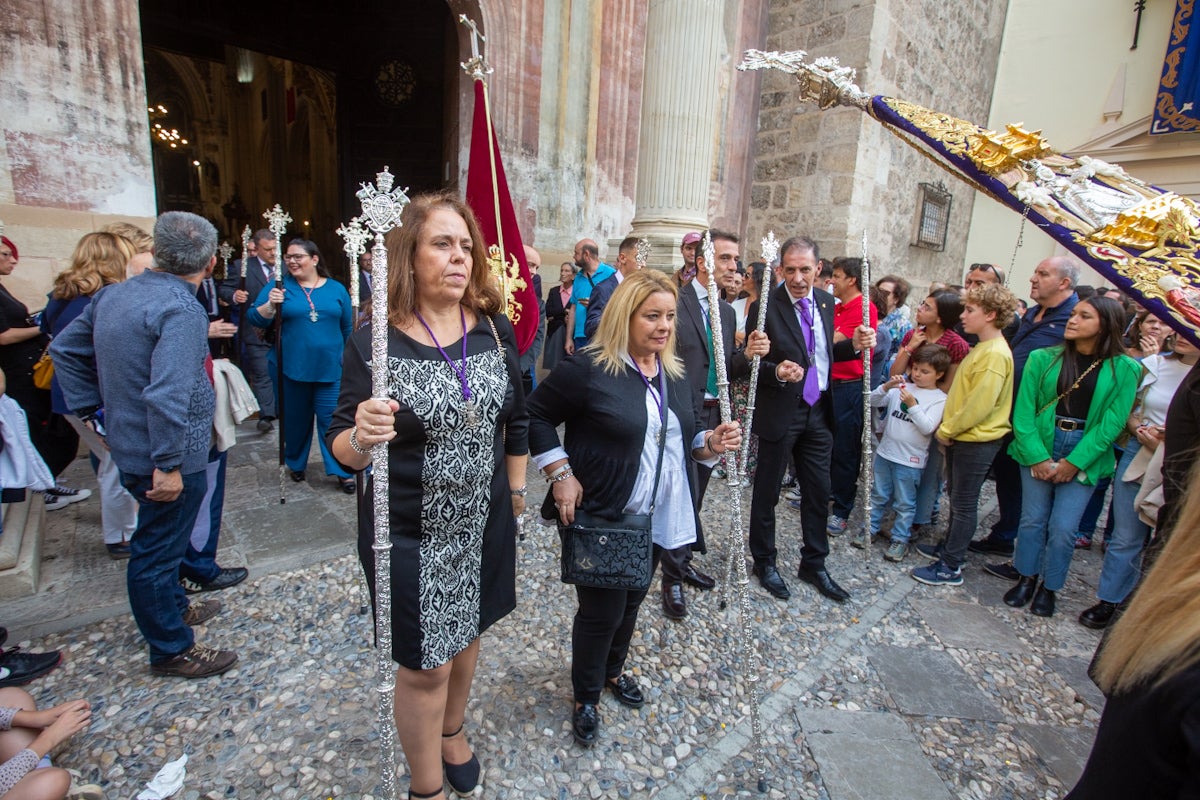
(794, 416)
(693, 345)
(259, 272)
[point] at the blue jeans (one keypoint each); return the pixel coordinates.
(200, 560)
(1123, 557)
(930, 489)
(895, 486)
(1049, 518)
(155, 552)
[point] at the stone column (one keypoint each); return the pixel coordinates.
(678, 123)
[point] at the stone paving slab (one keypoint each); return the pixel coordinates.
(930, 683)
(968, 626)
(1073, 670)
(1064, 749)
(868, 756)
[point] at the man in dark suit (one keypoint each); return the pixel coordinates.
(627, 264)
(692, 345)
(794, 415)
(259, 272)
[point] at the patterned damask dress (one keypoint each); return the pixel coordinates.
(452, 529)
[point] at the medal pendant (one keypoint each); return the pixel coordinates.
(313, 315)
(470, 413)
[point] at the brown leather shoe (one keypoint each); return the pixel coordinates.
(201, 611)
(674, 604)
(197, 662)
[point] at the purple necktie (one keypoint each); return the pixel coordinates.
(812, 388)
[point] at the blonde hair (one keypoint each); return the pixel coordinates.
(1158, 636)
(481, 294)
(610, 345)
(142, 241)
(99, 259)
(993, 297)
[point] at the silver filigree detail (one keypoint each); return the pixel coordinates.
(355, 237)
(868, 434)
(824, 81)
(475, 66)
(225, 251)
(770, 248)
(277, 220)
(246, 234)
(643, 252)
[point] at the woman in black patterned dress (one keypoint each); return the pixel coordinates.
(456, 426)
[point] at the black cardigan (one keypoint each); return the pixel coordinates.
(606, 420)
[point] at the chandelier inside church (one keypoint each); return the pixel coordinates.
(160, 130)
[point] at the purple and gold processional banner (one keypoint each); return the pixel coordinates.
(1177, 107)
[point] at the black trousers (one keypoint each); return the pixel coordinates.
(1007, 473)
(600, 636)
(846, 461)
(809, 441)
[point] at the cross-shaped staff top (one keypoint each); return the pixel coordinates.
(226, 252)
(355, 236)
(277, 220)
(475, 66)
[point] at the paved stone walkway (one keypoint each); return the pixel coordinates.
(907, 691)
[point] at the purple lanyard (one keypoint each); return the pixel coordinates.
(658, 398)
(462, 373)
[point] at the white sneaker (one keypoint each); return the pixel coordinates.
(62, 496)
(792, 494)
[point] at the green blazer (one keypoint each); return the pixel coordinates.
(1033, 434)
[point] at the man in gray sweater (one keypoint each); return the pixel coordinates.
(132, 365)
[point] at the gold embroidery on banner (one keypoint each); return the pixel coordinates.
(995, 153)
(951, 132)
(508, 280)
(1153, 224)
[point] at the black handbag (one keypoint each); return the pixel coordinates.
(616, 552)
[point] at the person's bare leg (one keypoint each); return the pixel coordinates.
(455, 749)
(420, 699)
(17, 739)
(50, 783)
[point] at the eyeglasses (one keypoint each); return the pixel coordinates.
(296, 256)
(992, 268)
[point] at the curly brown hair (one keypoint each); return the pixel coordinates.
(993, 297)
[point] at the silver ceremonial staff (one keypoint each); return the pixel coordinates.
(736, 540)
(277, 220)
(868, 434)
(381, 209)
(225, 251)
(245, 254)
(355, 237)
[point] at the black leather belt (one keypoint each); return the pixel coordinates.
(1069, 424)
(711, 402)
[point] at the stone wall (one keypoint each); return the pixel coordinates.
(74, 136)
(833, 174)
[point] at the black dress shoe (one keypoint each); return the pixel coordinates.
(1098, 616)
(1043, 603)
(585, 723)
(824, 584)
(1004, 570)
(990, 546)
(698, 579)
(463, 778)
(1020, 595)
(627, 691)
(772, 581)
(674, 604)
(297, 475)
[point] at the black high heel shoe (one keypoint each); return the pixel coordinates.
(463, 778)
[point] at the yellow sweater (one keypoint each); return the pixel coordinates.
(979, 405)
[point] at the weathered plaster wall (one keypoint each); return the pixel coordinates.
(74, 138)
(833, 174)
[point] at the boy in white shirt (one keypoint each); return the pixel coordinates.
(914, 411)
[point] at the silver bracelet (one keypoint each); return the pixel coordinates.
(561, 475)
(524, 490)
(354, 445)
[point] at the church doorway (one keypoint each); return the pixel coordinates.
(297, 103)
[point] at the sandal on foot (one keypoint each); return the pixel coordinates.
(463, 778)
(430, 796)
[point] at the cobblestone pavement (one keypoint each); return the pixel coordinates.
(906, 691)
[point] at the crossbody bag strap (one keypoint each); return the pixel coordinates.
(662, 440)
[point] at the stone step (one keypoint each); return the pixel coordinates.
(21, 547)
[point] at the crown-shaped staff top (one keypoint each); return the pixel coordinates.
(355, 236)
(226, 252)
(381, 204)
(643, 252)
(824, 81)
(770, 248)
(475, 66)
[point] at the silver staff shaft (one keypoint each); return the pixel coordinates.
(868, 434)
(736, 540)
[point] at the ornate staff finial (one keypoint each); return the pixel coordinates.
(770, 248)
(824, 82)
(476, 66)
(355, 237)
(245, 252)
(706, 248)
(643, 252)
(277, 220)
(225, 251)
(381, 204)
